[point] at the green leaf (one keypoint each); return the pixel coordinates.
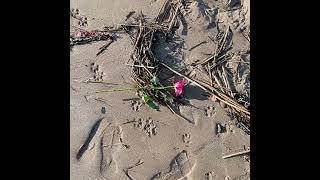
(150, 102)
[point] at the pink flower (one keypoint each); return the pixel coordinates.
(178, 87)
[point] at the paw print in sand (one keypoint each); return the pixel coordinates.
(81, 20)
(98, 75)
(135, 105)
(186, 138)
(210, 111)
(147, 126)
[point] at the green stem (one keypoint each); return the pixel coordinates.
(129, 89)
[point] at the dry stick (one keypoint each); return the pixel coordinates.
(247, 38)
(227, 81)
(213, 56)
(210, 74)
(230, 101)
(141, 66)
(197, 45)
(217, 81)
(175, 113)
(151, 39)
(137, 39)
(173, 18)
(224, 39)
(236, 154)
(221, 77)
(163, 6)
(208, 86)
(129, 15)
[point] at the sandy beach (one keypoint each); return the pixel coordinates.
(116, 136)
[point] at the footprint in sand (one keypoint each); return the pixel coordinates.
(210, 111)
(180, 167)
(111, 142)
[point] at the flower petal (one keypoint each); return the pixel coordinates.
(178, 87)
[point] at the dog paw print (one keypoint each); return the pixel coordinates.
(81, 20)
(210, 111)
(139, 123)
(135, 105)
(147, 126)
(98, 75)
(186, 138)
(94, 67)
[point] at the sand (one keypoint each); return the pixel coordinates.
(110, 134)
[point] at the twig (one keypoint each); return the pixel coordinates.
(127, 174)
(129, 122)
(137, 39)
(217, 81)
(102, 100)
(177, 114)
(236, 154)
(103, 48)
(227, 82)
(126, 171)
(173, 18)
(161, 9)
(129, 15)
(142, 66)
(224, 81)
(203, 42)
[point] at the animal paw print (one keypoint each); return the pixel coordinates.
(82, 20)
(210, 175)
(186, 138)
(135, 105)
(147, 126)
(98, 74)
(94, 67)
(210, 111)
(98, 77)
(140, 123)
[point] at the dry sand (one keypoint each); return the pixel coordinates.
(106, 145)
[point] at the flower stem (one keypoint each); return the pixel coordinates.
(129, 89)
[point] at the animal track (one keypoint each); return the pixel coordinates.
(146, 125)
(81, 20)
(186, 138)
(210, 111)
(135, 105)
(110, 146)
(210, 175)
(180, 167)
(98, 75)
